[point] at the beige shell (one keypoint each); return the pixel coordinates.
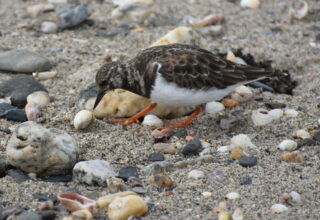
(299, 13)
(83, 119)
(250, 3)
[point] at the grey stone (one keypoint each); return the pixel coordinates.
(194, 147)
(35, 149)
(87, 96)
(248, 161)
(93, 172)
(3, 166)
(72, 15)
(12, 113)
(157, 167)
(128, 171)
(18, 176)
(29, 215)
(23, 60)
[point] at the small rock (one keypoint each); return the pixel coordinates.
(110, 33)
(306, 142)
(295, 157)
(44, 75)
(217, 176)
(3, 166)
(115, 184)
(93, 172)
(277, 208)
(229, 103)
(152, 121)
(292, 198)
(207, 194)
(194, 147)
(164, 148)
(18, 176)
(87, 96)
(238, 214)
(156, 157)
(229, 122)
(104, 201)
(245, 180)
(37, 9)
(180, 133)
(214, 107)
(28, 215)
(250, 3)
(242, 94)
(223, 149)
(303, 134)
(46, 205)
(205, 159)
(162, 134)
(196, 174)
(181, 164)
(134, 181)
(243, 141)
(128, 171)
(57, 179)
(157, 167)
(49, 27)
(316, 136)
(276, 114)
(58, 1)
(160, 180)
(25, 61)
(261, 117)
(288, 145)
(72, 15)
(236, 153)
(206, 151)
(275, 105)
(83, 119)
(233, 196)
(12, 113)
(139, 190)
(224, 216)
(35, 149)
(82, 214)
(248, 161)
(291, 113)
(48, 215)
(41, 98)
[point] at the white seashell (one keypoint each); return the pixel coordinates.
(35, 10)
(296, 197)
(214, 107)
(277, 208)
(39, 98)
(223, 149)
(242, 94)
(239, 60)
(303, 134)
(276, 114)
(83, 119)
(196, 174)
(291, 113)
(49, 27)
(288, 145)
(261, 117)
(207, 194)
(242, 140)
(231, 57)
(152, 121)
(44, 75)
(33, 111)
(250, 3)
(300, 12)
(238, 214)
(233, 196)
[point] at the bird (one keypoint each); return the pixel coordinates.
(175, 75)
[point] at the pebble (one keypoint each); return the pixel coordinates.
(291, 113)
(48, 215)
(180, 133)
(217, 176)
(224, 215)
(44, 75)
(82, 215)
(248, 161)
(28, 215)
(72, 15)
(276, 114)
(223, 149)
(115, 184)
(292, 198)
(316, 136)
(214, 107)
(303, 134)
(233, 196)
(288, 145)
(278, 208)
(245, 180)
(18, 176)
(104, 201)
(230, 122)
(128, 171)
(206, 151)
(40, 98)
(295, 157)
(122, 208)
(306, 142)
(164, 148)
(19, 87)
(3, 166)
(83, 120)
(205, 159)
(111, 33)
(238, 214)
(157, 167)
(49, 27)
(261, 117)
(23, 60)
(180, 164)
(229, 103)
(58, 1)
(275, 105)
(37, 9)
(156, 157)
(35, 149)
(207, 194)
(250, 3)
(12, 113)
(152, 121)
(161, 134)
(236, 153)
(242, 94)
(196, 174)
(93, 172)
(87, 96)
(139, 190)
(194, 147)
(242, 140)
(160, 180)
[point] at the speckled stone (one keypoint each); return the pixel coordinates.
(192, 148)
(156, 157)
(248, 161)
(128, 171)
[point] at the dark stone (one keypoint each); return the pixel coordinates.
(180, 133)
(44, 197)
(12, 113)
(12, 210)
(88, 92)
(18, 176)
(156, 157)
(28, 215)
(248, 161)
(19, 87)
(128, 171)
(316, 136)
(72, 15)
(245, 180)
(3, 166)
(139, 190)
(5, 130)
(194, 147)
(306, 142)
(57, 179)
(48, 215)
(273, 105)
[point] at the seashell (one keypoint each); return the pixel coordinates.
(83, 119)
(242, 94)
(48, 27)
(250, 3)
(82, 214)
(291, 113)
(229, 103)
(236, 153)
(74, 202)
(39, 98)
(300, 12)
(243, 141)
(47, 205)
(160, 180)
(44, 75)
(214, 107)
(261, 117)
(223, 149)
(152, 121)
(303, 134)
(277, 208)
(207, 194)
(36, 9)
(104, 201)
(212, 19)
(33, 111)
(294, 157)
(222, 206)
(288, 145)
(224, 215)
(196, 174)
(231, 57)
(292, 198)
(162, 134)
(233, 196)
(238, 214)
(276, 114)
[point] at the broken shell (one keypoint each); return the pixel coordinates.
(162, 134)
(233, 196)
(44, 75)
(33, 111)
(288, 145)
(231, 57)
(214, 107)
(208, 20)
(161, 180)
(276, 114)
(300, 12)
(243, 141)
(277, 208)
(229, 103)
(303, 134)
(83, 119)
(242, 94)
(152, 121)
(291, 113)
(292, 198)
(74, 202)
(224, 215)
(236, 153)
(261, 117)
(82, 214)
(238, 214)
(104, 201)
(250, 3)
(294, 157)
(36, 9)
(40, 98)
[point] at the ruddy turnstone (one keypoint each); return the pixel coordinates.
(175, 75)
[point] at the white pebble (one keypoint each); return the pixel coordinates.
(291, 113)
(303, 134)
(250, 3)
(33, 111)
(261, 117)
(296, 197)
(223, 149)
(39, 98)
(277, 208)
(238, 214)
(242, 140)
(83, 119)
(152, 121)
(288, 145)
(242, 94)
(233, 196)
(44, 75)
(276, 114)
(196, 174)
(49, 27)
(207, 194)
(214, 107)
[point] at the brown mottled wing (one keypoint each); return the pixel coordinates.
(194, 68)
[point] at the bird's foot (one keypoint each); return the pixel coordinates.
(126, 121)
(185, 122)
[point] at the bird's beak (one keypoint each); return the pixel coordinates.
(99, 97)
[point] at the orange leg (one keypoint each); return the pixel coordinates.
(183, 123)
(135, 118)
